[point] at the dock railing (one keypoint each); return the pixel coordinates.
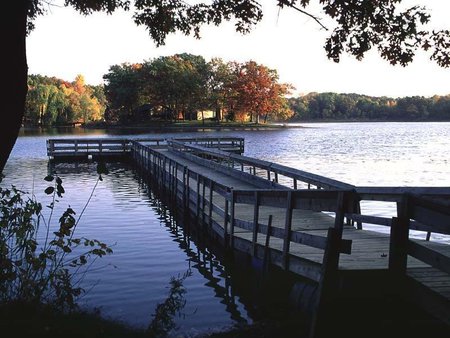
(427, 286)
(275, 176)
(270, 171)
(85, 147)
(395, 195)
(227, 144)
(215, 207)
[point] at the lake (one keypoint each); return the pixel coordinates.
(149, 248)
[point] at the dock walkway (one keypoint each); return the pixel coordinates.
(305, 223)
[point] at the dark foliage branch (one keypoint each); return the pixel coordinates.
(162, 17)
(359, 25)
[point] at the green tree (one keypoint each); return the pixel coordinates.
(218, 85)
(122, 89)
(176, 84)
(359, 25)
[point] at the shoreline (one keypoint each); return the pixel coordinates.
(188, 126)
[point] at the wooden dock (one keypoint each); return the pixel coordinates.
(307, 224)
(94, 148)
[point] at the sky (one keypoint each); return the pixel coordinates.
(66, 43)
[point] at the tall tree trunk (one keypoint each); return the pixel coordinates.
(13, 23)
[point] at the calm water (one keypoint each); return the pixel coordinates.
(149, 249)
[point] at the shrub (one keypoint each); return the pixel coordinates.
(37, 265)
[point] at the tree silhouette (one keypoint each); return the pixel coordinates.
(358, 26)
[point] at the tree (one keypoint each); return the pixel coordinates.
(54, 101)
(359, 25)
(257, 91)
(122, 89)
(176, 83)
(218, 85)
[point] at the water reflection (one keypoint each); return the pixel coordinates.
(219, 294)
(201, 259)
(249, 290)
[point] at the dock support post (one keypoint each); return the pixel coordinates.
(225, 221)
(232, 211)
(267, 243)
(255, 222)
(327, 284)
(210, 207)
(398, 245)
(197, 212)
(287, 230)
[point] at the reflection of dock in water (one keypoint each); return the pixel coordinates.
(201, 260)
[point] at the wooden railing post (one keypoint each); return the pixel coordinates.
(327, 284)
(287, 230)
(226, 217)
(210, 207)
(341, 208)
(267, 242)
(398, 245)
(197, 213)
(255, 222)
(232, 217)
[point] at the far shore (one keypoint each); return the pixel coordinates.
(199, 125)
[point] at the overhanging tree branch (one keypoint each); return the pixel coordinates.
(315, 18)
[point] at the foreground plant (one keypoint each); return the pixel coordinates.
(39, 266)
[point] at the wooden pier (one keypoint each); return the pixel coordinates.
(93, 148)
(307, 224)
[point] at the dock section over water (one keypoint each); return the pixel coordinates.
(94, 148)
(304, 223)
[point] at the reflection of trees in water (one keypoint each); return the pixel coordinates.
(163, 320)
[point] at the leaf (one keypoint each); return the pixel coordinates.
(58, 180)
(60, 189)
(49, 190)
(49, 178)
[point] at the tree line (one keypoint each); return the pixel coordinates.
(334, 106)
(185, 86)
(52, 101)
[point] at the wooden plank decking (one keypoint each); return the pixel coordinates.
(370, 249)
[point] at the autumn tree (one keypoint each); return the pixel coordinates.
(357, 27)
(257, 92)
(55, 101)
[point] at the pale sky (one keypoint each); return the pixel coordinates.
(66, 43)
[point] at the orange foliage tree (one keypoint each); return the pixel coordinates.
(257, 93)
